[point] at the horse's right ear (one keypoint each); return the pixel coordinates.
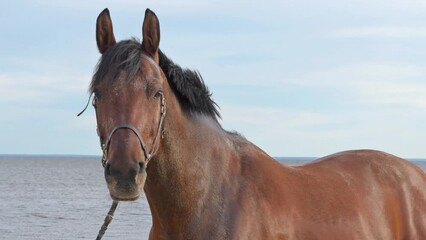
(104, 34)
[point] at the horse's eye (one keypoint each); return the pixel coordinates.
(94, 100)
(158, 94)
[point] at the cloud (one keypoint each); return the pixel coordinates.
(130, 5)
(287, 132)
(372, 83)
(45, 130)
(396, 94)
(368, 102)
(272, 129)
(381, 32)
(40, 88)
(275, 116)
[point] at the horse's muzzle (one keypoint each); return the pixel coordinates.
(125, 181)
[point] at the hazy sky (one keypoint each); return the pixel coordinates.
(297, 78)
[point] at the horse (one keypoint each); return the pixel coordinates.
(160, 134)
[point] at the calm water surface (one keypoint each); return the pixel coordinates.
(66, 198)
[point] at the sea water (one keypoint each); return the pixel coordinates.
(63, 197)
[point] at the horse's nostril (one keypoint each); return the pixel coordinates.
(108, 169)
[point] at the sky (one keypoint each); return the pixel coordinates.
(297, 78)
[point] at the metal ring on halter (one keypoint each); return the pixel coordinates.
(147, 154)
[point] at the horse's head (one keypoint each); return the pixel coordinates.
(129, 103)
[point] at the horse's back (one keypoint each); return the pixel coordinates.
(387, 193)
(360, 194)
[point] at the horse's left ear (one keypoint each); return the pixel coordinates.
(150, 33)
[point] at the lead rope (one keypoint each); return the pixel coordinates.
(107, 220)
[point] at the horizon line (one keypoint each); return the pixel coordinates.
(279, 158)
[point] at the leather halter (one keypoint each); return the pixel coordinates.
(148, 155)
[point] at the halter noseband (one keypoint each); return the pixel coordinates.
(148, 155)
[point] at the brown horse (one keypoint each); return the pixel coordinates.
(160, 133)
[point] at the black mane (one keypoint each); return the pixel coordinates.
(188, 85)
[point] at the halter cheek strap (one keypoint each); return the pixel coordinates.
(147, 154)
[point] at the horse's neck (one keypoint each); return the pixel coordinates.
(189, 168)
